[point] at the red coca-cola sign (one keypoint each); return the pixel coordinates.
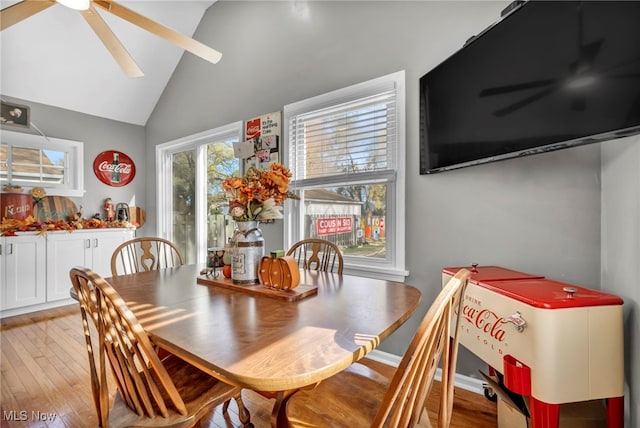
(114, 168)
(253, 128)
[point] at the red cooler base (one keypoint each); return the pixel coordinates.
(545, 415)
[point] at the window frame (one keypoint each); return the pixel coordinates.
(164, 170)
(393, 267)
(74, 161)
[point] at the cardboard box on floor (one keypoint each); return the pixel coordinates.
(586, 414)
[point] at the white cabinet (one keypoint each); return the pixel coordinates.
(34, 269)
(22, 271)
(88, 248)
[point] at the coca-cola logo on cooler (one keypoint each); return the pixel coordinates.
(483, 325)
(114, 168)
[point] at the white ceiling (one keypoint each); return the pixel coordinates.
(55, 58)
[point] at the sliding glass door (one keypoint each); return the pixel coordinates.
(191, 211)
(183, 196)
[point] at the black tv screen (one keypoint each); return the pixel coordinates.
(548, 75)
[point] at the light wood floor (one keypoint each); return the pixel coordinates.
(45, 379)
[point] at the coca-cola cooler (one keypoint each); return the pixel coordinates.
(552, 342)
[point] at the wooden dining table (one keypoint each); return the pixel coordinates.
(267, 344)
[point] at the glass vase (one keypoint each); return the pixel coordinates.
(247, 249)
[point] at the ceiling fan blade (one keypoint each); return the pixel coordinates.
(15, 13)
(516, 87)
(516, 106)
(111, 42)
(186, 43)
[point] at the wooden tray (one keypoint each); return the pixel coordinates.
(300, 292)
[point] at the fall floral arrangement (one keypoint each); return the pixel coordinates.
(258, 196)
(10, 227)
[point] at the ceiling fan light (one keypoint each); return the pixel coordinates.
(75, 4)
(581, 81)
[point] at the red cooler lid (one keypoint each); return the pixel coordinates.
(548, 294)
(490, 273)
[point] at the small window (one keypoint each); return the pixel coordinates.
(346, 151)
(30, 160)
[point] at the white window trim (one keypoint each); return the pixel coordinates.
(74, 167)
(164, 201)
(393, 270)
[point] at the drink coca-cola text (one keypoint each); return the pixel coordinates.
(486, 321)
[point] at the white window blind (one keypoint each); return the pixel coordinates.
(335, 143)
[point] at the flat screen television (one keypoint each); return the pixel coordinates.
(548, 75)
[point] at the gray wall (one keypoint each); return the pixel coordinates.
(621, 250)
(98, 135)
(540, 214)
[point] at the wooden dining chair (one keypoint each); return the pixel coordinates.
(150, 392)
(361, 397)
(144, 254)
(317, 254)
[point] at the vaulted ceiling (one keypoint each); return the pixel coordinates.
(54, 58)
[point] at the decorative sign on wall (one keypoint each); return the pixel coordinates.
(114, 168)
(334, 225)
(261, 147)
(14, 114)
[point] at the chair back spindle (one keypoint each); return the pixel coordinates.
(150, 391)
(140, 377)
(144, 254)
(433, 344)
(317, 254)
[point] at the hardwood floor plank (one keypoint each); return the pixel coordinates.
(44, 368)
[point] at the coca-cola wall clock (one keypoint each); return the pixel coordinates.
(114, 168)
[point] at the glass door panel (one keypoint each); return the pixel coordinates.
(220, 164)
(198, 212)
(183, 196)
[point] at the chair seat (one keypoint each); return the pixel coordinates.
(343, 395)
(199, 391)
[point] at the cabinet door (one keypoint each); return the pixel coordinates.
(23, 271)
(103, 244)
(65, 251)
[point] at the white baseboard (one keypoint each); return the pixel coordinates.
(34, 308)
(465, 382)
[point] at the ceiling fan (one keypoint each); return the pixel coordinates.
(13, 14)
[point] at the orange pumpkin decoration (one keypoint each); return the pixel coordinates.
(226, 271)
(279, 272)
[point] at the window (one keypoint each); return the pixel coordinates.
(190, 172)
(346, 154)
(32, 160)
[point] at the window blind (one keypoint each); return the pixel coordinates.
(344, 142)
